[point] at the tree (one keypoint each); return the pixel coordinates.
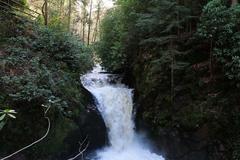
(97, 21)
(84, 18)
(45, 12)
(217, 23)
(69, 14)
(89, 21)
(61, 8)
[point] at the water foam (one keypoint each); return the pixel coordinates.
(115, 103)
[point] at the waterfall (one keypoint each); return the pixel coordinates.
(115, 103)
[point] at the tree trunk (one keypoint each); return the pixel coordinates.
(172, 74)
(97, 22)
(45, 12)
(89, 23)
(69, 14)
(61, 8)
(95, 34)
(84, 18)
(83, 25)
(211, 61)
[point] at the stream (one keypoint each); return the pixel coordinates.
(115, 103)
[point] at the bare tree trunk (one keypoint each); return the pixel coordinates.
(83, 25)
(211, 61)
(172, 75)
(45, 12)
(95, 34)
(84, 19)
(173, 61)
(61, 8)
(97, 22)
(89, 23)
(69, 14)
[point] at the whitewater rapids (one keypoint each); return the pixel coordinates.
(115, 103)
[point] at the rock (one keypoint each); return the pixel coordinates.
(91, 128)
(65, 136)
(182, 146)
(94, 125)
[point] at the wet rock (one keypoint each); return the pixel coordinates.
(91, 126)
(177, 145)
(91, 131)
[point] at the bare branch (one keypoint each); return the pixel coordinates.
(81, 151)
(35, 142)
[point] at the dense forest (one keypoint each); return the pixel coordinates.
(181, 57)
(40, 61)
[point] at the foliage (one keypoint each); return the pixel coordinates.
(219, 23)
(152, 46)
(165, 50)
(7, 113)
(42, 65)
(109, 48)
(4, 115)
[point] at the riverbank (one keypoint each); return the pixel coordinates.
(39, 79)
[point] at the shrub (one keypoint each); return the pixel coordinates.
(44, 65)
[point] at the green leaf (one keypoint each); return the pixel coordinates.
(2, 125)
(12, 111)
(11, 115)
(2, 117)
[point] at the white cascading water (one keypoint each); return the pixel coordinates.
(116, 106)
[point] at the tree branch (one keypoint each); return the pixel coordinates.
(81, 151)
(37, 141)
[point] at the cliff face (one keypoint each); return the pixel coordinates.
(199, 125)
